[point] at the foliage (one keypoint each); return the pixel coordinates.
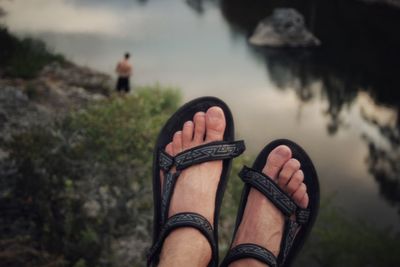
(77, 187)
(23, 58)
(340, 240)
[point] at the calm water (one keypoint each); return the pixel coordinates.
(340, 101)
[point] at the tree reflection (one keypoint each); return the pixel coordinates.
(384, 159)
(110, 4)
(358, 47)
(198, 6)
(359, 44)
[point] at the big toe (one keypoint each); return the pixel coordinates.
(215, 124)
(276, 159)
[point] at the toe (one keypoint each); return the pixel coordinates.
(304, 201)
(215, 124)
(187, 134)
(169, 149)
(177, 143)
(199, 120)
(289, 168)
(295, 182)
(276, 159)
(299, 194)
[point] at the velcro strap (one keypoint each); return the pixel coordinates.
(165, 161)
(254, 251)
(289, 234)
(186, 219)
(218, 150)
(269, 189)
(302, 215)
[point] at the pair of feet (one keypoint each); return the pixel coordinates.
(196, 188)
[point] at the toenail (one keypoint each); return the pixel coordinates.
(283, 151)
(214, 117)
(200, 114)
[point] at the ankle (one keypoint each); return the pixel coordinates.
(246, 263)
(185, 247)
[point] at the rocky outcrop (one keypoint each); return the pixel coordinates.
(18, 113)
(71, 75)
(58, 89)
(284, 28)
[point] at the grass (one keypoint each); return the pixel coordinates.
(338, 239)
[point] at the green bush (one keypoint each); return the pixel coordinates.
(23, 58)
(99, 155)
(338, 239)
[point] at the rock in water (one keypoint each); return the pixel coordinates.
(285, 28)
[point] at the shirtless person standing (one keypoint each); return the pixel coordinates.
(124, 71)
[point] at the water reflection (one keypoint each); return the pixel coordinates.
(384, 157)
(357, 56)
(116, 4)
(298, 70)
(196, 5)
(357, 52)
(200, 6)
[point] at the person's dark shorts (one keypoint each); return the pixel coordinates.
(123, 84)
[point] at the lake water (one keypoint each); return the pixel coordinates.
(340, 101)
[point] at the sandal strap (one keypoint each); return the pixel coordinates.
(302, 215)
(269, 189)
(212, 151)
(254, 251)
(185, 219)
(283, 202)
(288, 237)
(276, 195)
(165, 161)
(218, 150)
(168, 190)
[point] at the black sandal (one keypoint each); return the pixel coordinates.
(220, 150)
(305, 218)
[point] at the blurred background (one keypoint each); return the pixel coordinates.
(75, 157)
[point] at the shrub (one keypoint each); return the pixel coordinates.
(23, 58)
(80, 185)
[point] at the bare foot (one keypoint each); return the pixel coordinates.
(195, 190)
(262, 222)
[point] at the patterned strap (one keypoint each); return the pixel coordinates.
(165, 161)
(302, 215)
(250, 251)
(288, 237)
(284, 203)
(269, 189)
(218, 150)
(187, 219)
(212, 151)
(168, 189)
